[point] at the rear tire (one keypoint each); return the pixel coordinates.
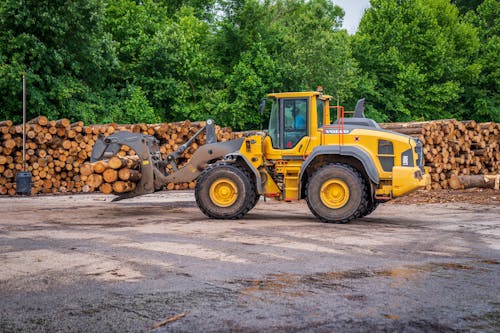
(225, 191)
(336, 193)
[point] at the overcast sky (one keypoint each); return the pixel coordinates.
(353, 12)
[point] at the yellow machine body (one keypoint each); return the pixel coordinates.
(391, 161)
(342, 166)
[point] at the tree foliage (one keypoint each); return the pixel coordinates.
(482, 96)
(283, 45)
(465, 6)
(418, 56)
(62, 48)
(156, 60)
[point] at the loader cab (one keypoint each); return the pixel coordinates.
(296, 120)
(288, 122)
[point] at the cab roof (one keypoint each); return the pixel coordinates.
(298, 94)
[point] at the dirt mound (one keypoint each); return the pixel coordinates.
(478, 196)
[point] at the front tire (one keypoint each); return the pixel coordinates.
(336, 193)
(370, 208)
(225, 191)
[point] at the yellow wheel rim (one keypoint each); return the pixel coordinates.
(223, 192)
(334, 193)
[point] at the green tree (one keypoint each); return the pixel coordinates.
(132, 25)
(203, 9)
(164, 55)
(315, 51)
(283, 45)
(416, 56)
(175, 67)
(62, 48)
(466, 5)
(482, 96)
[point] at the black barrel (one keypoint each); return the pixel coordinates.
(23, 183)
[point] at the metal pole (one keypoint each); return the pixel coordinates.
(24, 121)
(23, 178)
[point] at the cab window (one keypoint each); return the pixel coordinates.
(320, 107)
(295, 121)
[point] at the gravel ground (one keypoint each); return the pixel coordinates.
(157, 264)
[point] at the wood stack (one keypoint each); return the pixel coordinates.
(118, 174)
(455, 148)
(170, 137)
(56, 150)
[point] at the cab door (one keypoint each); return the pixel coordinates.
(288, 126)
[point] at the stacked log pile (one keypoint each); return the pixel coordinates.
(54, 152)
(455, 148)
(118, 174)
(58, 151)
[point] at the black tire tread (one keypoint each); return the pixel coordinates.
(370, 208)
(363, 206)
(249, 203)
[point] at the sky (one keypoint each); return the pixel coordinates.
(353, 12)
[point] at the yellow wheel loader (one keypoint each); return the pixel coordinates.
(342, 166)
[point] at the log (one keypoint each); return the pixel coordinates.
(116, 162)
(469, 181)
(94, 180)
(414, 124)
(409, 131)
(129, 174)
(106, 188)
(63, 123)
(122, 186)
(41, 120)
(9, 144)
(110, 175)
(100, 166)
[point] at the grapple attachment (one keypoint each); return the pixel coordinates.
(153, 168)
